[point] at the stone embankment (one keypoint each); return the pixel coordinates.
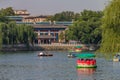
(41, 47)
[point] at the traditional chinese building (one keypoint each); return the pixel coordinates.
(48, 33)
(23, 13)
(35, 19)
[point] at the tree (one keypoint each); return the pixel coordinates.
(87, 27)
(6, 12)
(62, 36)
(4, 19)
(5, 33)
(111, 28)
(1, 36)
(11, 33)
(64, 16)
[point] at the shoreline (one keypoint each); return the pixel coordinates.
(40, 48)
(36, 48)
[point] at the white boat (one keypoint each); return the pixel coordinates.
(116, 58)
(92, 48)
(70, 55)
(44, 54)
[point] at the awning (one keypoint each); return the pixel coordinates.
(85, 55)
(78, 46)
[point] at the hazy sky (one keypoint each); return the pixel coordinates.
(41, 7)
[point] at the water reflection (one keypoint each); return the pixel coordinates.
(85, 73)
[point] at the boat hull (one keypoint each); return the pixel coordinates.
(116, 59)
(75, 51)
(86, 63)
(86, 66)
(46, 55)
(71, 56)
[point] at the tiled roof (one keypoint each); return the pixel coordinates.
(32, 17)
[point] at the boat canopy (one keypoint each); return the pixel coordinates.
(85, 55)
(78, 46)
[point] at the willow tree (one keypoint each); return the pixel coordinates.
(0, 35)
(111, 28)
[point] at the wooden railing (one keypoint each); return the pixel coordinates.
(58, 44)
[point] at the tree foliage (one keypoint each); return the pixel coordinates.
(16, 34)
(11, 33)
(62, 36)
(6, 12)
(64, 16)
(111, 28)
(87, 28)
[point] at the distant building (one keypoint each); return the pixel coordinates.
(35, 19)
(47, 31)
(23, 13)
(17, 19)
(28, 19)
(40, 18)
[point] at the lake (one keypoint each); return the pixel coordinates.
(28, 66)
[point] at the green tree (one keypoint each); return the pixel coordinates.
(7, 12)
(11, 33)
(4, 19)
(111, 28)
(87, 27)
(5, 33)
(64, 16)
(62, 36)
(1, 35)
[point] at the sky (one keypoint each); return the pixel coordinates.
(50, 7)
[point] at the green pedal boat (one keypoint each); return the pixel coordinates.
(86, 60)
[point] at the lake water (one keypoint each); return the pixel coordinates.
(28, 66)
